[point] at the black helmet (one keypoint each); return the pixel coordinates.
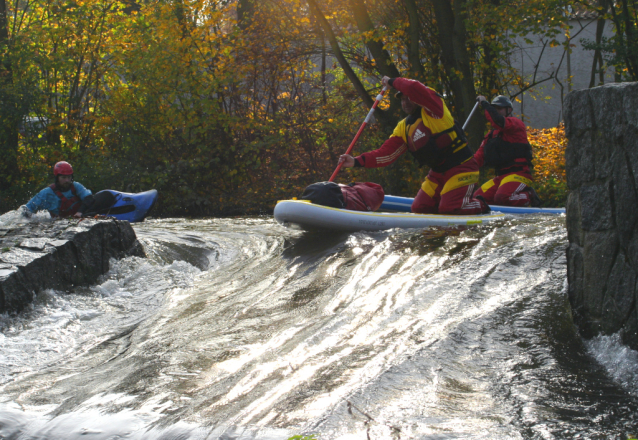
(502, 101)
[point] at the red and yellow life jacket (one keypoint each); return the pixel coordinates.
(438, 143)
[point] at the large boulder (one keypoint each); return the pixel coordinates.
(601, 125)
(58, 255)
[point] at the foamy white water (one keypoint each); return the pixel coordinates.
(239, 328)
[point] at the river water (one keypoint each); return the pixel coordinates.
(242, 329)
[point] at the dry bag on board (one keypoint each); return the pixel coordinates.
(363, 196)
(324, 193)
(360, 196)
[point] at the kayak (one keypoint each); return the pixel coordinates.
(133, 207)
(306, 215)
(403, 204)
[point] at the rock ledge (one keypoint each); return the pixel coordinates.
(59, 255)
(601, 159)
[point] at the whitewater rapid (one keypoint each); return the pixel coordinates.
(242, 329)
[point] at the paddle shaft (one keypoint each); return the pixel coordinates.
(365, 122)
(471, 114)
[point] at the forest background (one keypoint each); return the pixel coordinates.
(226, 106)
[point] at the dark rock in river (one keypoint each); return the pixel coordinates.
(601, 125)
(58, 255)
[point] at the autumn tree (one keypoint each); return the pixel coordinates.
(621, 50)
(11, 106)
(227, 106)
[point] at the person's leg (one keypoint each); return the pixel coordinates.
(535, 201)
(102, 201)
(427, 199)
(488, 190)
(460, 201)
(514, 191)
(457, 194)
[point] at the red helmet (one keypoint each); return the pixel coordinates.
(63, 168)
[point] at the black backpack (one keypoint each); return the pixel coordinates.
(324, 193)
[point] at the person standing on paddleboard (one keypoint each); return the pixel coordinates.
(434, 139)
(507, 150)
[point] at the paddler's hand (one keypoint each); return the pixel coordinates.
(386, 81)
(346, 160)
(481, 98)
(77, 215)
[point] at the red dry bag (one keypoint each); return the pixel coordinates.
(362, 196)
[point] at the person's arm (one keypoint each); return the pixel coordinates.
(385, 155)
(479, 156)
(81, 191)
(512, 130)
(86, 204)
(515, 130)
(420, 94)
(85, 195)
(39, 201)
(492, 115)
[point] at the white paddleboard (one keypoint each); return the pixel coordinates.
(306, 215)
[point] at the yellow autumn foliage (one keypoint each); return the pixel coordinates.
(548, 146)
(227, 107)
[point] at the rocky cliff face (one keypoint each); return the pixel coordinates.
(601, 125)
(58, 255)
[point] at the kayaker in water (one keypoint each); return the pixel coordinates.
(64, 198)
(507, 150)
(434, 139)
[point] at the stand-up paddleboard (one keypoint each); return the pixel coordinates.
(133, 207)
(403, 204)
(308, 216)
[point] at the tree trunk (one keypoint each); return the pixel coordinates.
(245, 13)
(4, 24)
(384, 63)
(598, 58)
(336, 50)
(9, 118)
(456, 61)
(414, 57)
(630, 32)
(489, 81)
(324, 53)
(343, 62)
(626, 39)
(324, 95)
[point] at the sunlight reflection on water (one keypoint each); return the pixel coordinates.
(243, 329)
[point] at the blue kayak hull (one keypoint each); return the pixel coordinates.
(132, 207)
(403, 204)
